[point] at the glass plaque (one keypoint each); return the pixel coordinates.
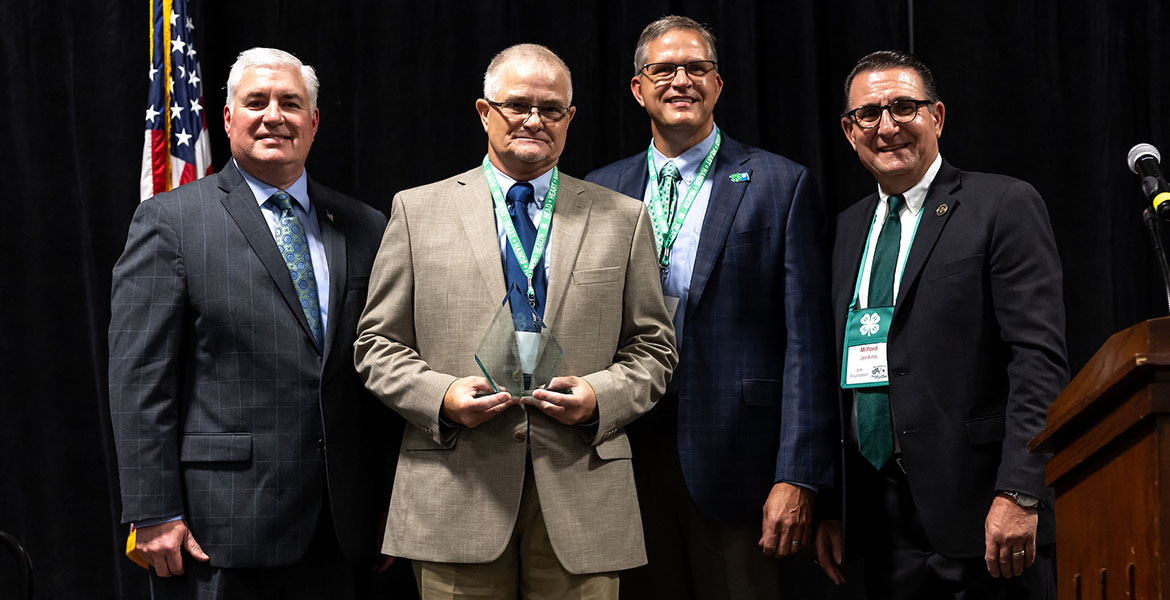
(518, 361)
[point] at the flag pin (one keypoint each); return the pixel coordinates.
(739, 177)
(329, 215)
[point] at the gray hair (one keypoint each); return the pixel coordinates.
(526, 52)
(272, 58)
(660, 27)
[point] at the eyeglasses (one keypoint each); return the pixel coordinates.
(664, 71)
(516, 110)
(904, 110)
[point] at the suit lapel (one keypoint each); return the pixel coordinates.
(333, 238)
(852, 232)
(634, 177)
(567, 231)
(934, 219)
(241, 205)
(475, 208)
(725, 199)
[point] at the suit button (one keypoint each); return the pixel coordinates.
(519, 436)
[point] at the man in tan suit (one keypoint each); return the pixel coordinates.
(530, 496)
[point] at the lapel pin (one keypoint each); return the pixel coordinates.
(329, 215)
(942, 210)
(739, 177)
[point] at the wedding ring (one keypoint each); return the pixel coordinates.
(1019, 553)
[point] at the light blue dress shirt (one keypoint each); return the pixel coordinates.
(539, 191)
(686, 245)
(299, 190)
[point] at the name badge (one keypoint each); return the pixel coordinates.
(864, 361)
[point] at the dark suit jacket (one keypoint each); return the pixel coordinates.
(222, 405)
(755, 371)
(976, 350)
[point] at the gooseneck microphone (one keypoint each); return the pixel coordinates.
(1143, 160)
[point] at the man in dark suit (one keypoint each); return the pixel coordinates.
(950, 322)
(747, 424)
(245, 439)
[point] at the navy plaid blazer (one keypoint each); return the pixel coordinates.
(755, 379)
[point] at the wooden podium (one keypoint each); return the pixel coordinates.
(1109, 431)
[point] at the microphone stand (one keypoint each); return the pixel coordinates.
(1156, 237)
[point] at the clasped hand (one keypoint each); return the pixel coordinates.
(470, 401)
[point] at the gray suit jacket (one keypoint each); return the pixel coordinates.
(437, 282)
(222, 405)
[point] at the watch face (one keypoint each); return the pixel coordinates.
(1024, 500)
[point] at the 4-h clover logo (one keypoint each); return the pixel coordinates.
(869, 324)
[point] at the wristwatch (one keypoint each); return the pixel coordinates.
(1023, 500)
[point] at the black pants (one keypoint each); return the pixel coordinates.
(901, 564)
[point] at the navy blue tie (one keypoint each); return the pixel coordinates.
(519, 197)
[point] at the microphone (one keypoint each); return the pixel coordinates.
(1143, 160)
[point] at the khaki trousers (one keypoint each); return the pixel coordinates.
(527, 569)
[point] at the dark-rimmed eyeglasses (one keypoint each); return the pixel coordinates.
(902, 110)
(664, 71)
(516, 110)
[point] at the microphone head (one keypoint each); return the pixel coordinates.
(1139, 151)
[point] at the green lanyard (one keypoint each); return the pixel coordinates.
(865, 251)
(528, 264)
(666, 227)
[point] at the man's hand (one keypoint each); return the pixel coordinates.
(461, 405)
(787, 516)
(160, 546)
(577, 406)
(1010, 538)
(831, 550)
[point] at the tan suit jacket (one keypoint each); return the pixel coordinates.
(436, 284)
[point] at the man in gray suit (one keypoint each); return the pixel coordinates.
(499, 495)
(243, 433)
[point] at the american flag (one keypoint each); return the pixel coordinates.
(177, 149)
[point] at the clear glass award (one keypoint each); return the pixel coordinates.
(515, 360)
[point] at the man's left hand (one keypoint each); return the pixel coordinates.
(787, 515)
(1010, 538)
(578, 405)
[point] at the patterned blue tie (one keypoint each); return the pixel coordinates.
(294, 246)
(519, 197)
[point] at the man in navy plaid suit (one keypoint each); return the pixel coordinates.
(251, 458)
(747, 425)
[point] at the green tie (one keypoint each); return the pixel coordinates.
(875, 431)
(293, 243)
(668, 179)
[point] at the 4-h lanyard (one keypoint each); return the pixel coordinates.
(528, 264)
(668, 223)
(863, 361)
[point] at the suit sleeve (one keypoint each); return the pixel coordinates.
(1026, 288)
(385, 351)
(646, 354)
(809, 410)
(147, 316)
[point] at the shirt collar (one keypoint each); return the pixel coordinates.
(915, 197)
(539, 185)
(688, 162)
(299, 190)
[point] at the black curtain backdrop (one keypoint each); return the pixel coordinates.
(1050, 91)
